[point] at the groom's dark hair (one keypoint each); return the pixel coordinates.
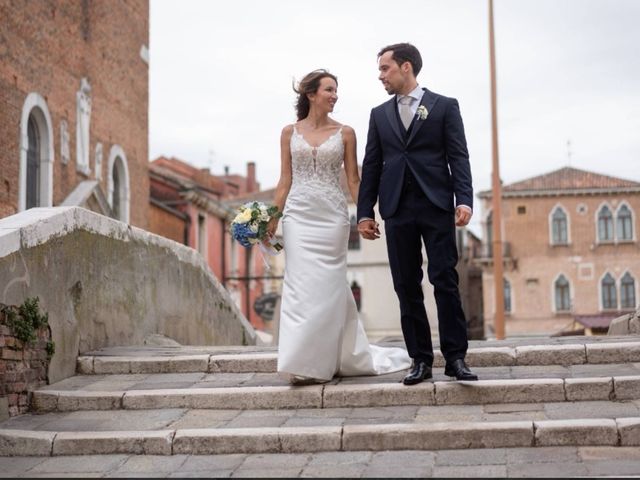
(404, 52)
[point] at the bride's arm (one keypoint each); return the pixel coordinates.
(284, 184)
(351, 162)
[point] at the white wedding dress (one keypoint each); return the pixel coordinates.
(321, 334)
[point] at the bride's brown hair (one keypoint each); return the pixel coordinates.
(309, 84)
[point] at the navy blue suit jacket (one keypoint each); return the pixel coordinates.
(435, 151)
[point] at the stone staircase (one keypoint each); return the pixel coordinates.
(553, 392)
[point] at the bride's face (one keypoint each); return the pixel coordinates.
(326, 96)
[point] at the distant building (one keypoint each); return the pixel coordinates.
(74, 107)
(191, 206)
(571, 251)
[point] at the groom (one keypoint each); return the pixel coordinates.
(416, 162)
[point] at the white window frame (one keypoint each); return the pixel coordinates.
(36, 105)
(597, 223)
(115, 153)
(553, 293)
(633, 223)
(635, 288)
(568, 218)
(616, 284)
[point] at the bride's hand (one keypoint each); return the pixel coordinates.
(272, 226)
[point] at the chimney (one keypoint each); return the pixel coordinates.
(226, 170)
(251, 177)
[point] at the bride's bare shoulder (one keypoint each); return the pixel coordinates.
(287, 131)
(348, 132)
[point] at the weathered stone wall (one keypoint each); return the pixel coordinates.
(23, 367)
(105, 283)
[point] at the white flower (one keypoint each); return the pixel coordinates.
(243, 217)
(422, 112)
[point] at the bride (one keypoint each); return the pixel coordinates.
(321, 334)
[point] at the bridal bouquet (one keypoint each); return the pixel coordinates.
(249, 227)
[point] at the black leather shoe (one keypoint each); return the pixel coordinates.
(459, 369)
(419, 372)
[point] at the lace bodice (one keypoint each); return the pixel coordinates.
(316, 170)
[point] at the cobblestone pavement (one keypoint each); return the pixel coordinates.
(503, 462)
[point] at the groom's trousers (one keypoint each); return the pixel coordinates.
(418, 220)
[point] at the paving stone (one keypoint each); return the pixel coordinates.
(620, 467)
(477, 471)
(152, 463)
(484, 456)
(542, 455)
(84, 365)
(512, 407)
(614, 353)
(96, 443)
(549, 470)
(627, 388)
(111, 365)
(604, 370)
(200, 463)
(341, 458)
(323, 412)
(550, 355)
(499, 391)
(490, 356)
(595, 409)
(204, 419)
(17, 466)
(199, 474)
(280, 460)
(310, 439)
(82, 463)
(313, 422)
(25, 443)
(402, 458)
(377, 395)
(89, 400)
(223, 441)
(239, 363)
(629, 430)
(147, 474)
(30, 422)
(589, 388)
(189, 363)
(390, 471)
(352, 470)
(267, 473)
(609, 453)
(449, 413)
(535, 371)
(236, 398)
(242, 421)
(437, 436)
(42, 401)
(576, 432)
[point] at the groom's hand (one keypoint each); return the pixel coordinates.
(369, 229)
(463, 215)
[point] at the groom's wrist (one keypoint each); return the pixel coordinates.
(364, 219)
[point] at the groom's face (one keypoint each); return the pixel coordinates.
(393, 76)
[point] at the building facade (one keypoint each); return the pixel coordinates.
(191, 206)
(571, 253)
(74, 106)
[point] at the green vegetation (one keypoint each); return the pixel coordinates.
(26, 320)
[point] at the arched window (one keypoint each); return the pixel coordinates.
(507, 296)
(118, 184)
(33, 164)
(354, 236)
(609, 294)
(36, 154)
(605, 225)
(489, 236)
(562, 294)
(625, 223)
(627, 292)
(559, 230)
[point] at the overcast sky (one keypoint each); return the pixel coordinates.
(221, 75)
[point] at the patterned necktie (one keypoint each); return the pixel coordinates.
(406, 115)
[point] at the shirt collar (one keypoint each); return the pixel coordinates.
(416, 94)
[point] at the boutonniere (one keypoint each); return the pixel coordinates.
(422, 112)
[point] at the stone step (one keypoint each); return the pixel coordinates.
(141, 360)
(343, 395)
(431, 436)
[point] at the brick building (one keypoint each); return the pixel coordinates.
(74, 106)
(571, 251)
(191, 206)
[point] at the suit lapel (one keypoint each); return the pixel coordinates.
(390, 111)
(428, 101)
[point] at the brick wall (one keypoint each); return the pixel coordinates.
(22, 368)
(48, 47)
